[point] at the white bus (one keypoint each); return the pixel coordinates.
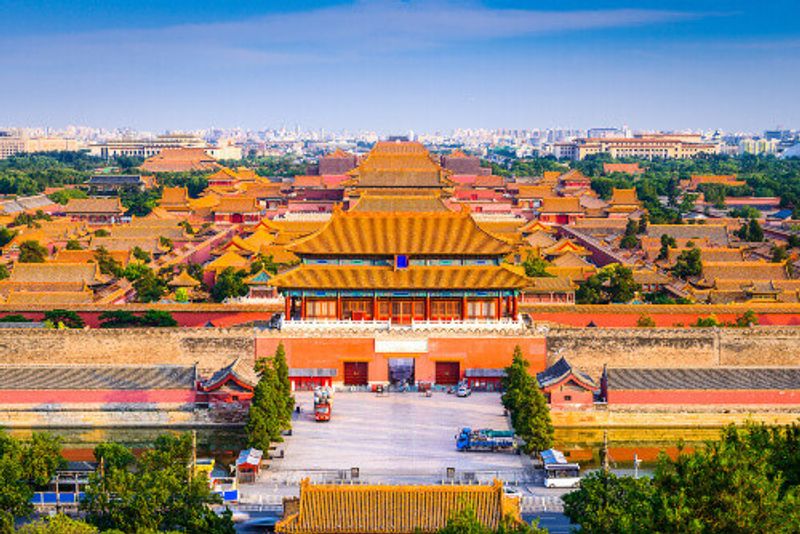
(558, 472)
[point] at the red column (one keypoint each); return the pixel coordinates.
(374, 307)
(287, 307)
(463, 308)
(428, 308)
(497, 309)
(514, 308)
(302, 308)
(339, 307)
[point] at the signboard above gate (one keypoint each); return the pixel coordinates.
(398, 346)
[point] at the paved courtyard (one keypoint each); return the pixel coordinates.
(397, 433)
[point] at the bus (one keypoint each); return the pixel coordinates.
(558, 472)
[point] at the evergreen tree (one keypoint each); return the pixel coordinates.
(31, 252)
(284, 384)
(688, 263)
(532, 420)
(266, 418)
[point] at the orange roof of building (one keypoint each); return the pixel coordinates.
(174, 197)
(280, 255)
(574, 175)
(399, 164)
(368, 202)
(338, 154)
(624, 197)
(180, 160)
(434, 234)
(540, 239)
(726, 179)
(183, 279)
(550, 176)
(93, 205)
(309, 181)
(229, 259)
(87, 256)
(570, 259)
(535, 225)
(54, 298)
(236, 205)
(535, 191)
(564, 246)
(561, 205)
(744, 270)
(86, 273)
(224, 175)
(367, 509)
(309, 276)
(625, 168)
(490, 180)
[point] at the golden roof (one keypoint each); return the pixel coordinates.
(368, 509)
(207, 201)
(368, 234)
(535, 191)
(229, 259)
(183, 279)
(93, 205)
(180, 160)
(535, 225)
(624, 197)
(174, 197)
(561, 205)
(86, 256)
(564, 246)
(404, 203)
(55, 298)
(86, 273)
(307, 276)
(236, 205)
(744, 270)
(570, 259)
(399, 164)
(280, 255)
(540, 239)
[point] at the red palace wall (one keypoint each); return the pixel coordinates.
(704, 397)
(483, 353)
(97, 396)
(630, 317)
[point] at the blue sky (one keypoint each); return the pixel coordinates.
(394, 65)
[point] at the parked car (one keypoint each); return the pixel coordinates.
(463, 391)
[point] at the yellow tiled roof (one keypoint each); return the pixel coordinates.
(280, 255)
(561, 205)
(564, 246)
(229, 259)
(403, 203)
(236, 205)
(86, 256)
(355, 233)
(336, 509)
(570, 259)
(183, 279)
(744, 270)
(416, 277)
(88, 273)
(55, 298)
(392, 164)
(93, 205)
(172, 197)
(624, 196)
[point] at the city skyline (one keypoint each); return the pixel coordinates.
(394, 66)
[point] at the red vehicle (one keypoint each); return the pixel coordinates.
(322, 404)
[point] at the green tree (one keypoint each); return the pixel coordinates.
(229, 284)
(181, 295)
(68, 318)
(118, 319)
(465, 521)
(536, 267)
(158, 492)
(606, 503)
(4, 271)
(265, 420)
(644, 221)
(613, 283)
(114, 455)
(57, 524)
(751, 231)
(748, 318)
(667, 242)
(62, 196)
(102, 232)
(6, 235)
(106, 263)
(149, 287)
(159, 318)
(32, 252)
(262, 262)
(530, 415)
(688, 264)
(74, 244)
(645, 321)
(284, 385)
(779, 254)
(141, 255)
(166, 243)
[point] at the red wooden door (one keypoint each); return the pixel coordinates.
(448, 373)
(355, 373)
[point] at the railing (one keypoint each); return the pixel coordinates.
(306, 325)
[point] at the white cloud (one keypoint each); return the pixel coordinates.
(330, 34)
